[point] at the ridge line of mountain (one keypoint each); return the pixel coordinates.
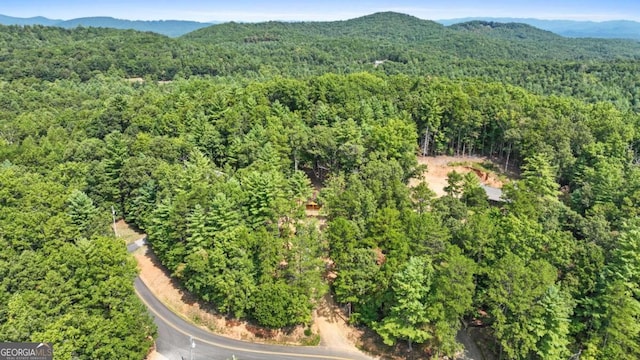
(625, 29)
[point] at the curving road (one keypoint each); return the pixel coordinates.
(174, 335)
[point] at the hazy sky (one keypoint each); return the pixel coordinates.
(243, 10)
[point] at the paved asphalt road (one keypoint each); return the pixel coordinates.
(174, 333)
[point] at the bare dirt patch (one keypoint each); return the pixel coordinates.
(139, 80)
(126, 232)
(439, 166)
(154, 355)
(331, 322)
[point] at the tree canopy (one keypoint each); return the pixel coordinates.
(259, 119)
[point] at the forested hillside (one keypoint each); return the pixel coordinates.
(414, 37)
(592, 69)
(614, 29)
(217, 170)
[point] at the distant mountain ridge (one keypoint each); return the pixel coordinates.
(38, 20)
(386, 42)
(618, 29)
(399, 37)
(374, 27)
(506, 30)
(615, 29)
(171, 28)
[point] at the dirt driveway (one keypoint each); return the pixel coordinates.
(439, 166)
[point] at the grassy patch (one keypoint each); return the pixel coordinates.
(313, 340)
(128, 233)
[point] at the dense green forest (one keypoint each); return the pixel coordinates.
(612, 29)
(541, 62)
(216, 167)
(616, 29)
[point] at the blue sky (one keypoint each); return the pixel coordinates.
(243, 10)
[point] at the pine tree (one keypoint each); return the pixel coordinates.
(407, 318)
(83, 213)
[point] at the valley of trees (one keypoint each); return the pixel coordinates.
(215, 166)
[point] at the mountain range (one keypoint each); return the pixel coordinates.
(171, 28)
(622, 29)
(617, 29)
